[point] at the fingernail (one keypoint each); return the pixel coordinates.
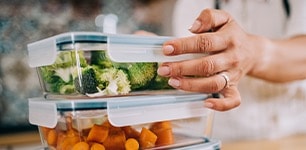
(174, 82)
(195, 26)
(163, 70)
(208, 105)
(168, 49)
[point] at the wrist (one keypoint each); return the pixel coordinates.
(264, 50)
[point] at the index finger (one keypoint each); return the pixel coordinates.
(210, 20)
(201, 43)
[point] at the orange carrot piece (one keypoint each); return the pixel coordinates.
(165, 137)
(85, 132)
(66, 140)
(60, 138)
(45, 131)
(115, 139)
(98, 133)
(130, 132)
(97, 146)
(81, 146)
(163, 131)
(68, 143)
(161, 126)
(147, 138)
(106, 123)
(131, 144)
(52, 138)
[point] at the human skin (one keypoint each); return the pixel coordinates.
(234, 52)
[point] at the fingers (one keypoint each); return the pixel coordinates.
(217, 83)
(202, 43)
(206, 66)
(231, 99)
(210, 19)
(212, 84)
(146, 33)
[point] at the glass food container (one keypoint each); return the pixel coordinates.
(93, 64)
(176, 121)
(101, 91)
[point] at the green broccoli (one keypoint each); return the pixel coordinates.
(66, 89)
(67, 59)
(87, 81)
(160, 82)
(55, 83)
(59, 76)
(140, 74)
(113, 82)
(100, 59)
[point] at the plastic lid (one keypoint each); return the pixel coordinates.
(120, 47)
(44, 52)
(122, 111)
(146, 109)
(136, 48)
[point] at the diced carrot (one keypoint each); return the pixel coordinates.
(147, 138)
(81, 146)
(70, 131)
(97, 146)
(165, 137)
(98, 133)
(115, 139)
(52, 138)
(85, 132)
(60, 138)
(131, 144)
(163, 131)
(68, 143)
(155, 127)
(45, 131)
(130, 132)
(66, 140)
(106, 123)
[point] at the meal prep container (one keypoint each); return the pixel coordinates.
(93, 64)
(176, 121)
(101, 91)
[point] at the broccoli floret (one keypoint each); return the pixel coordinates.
(48, 74)
(113, 82)
(100, 59)
(59, 76)
(140, 74)
(67, 59)
(57, 85)
(67, 89)
(56, 80)
(116, 81)
(87, 82)
(160, 82)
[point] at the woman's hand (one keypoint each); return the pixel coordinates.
(231, 55)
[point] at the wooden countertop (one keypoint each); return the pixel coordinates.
(20, 138)
(297, 142)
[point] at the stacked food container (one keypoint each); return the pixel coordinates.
(101, 91)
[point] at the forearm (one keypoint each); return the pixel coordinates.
(282, 60)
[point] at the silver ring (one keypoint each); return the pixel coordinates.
(226, 78)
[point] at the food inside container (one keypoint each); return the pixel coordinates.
(92, 64)
(135, 122)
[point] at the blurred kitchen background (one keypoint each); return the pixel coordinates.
(23, 22)
(26, 21)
